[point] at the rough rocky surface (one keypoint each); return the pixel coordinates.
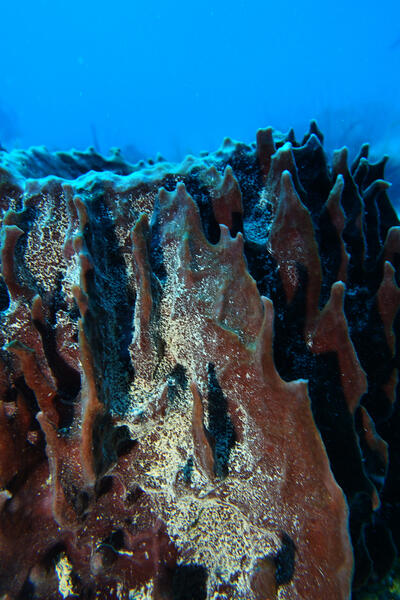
(198, 374)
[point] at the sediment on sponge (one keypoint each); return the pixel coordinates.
(198, 374)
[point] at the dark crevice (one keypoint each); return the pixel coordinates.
(248, 174)
(387, 215)
(363, 566)
(51, 557)
(220, 427)
(285, 561)
(108, 322)
(188, 470)
(380, 546)
(115, 539)
(237, 224)
(110, 546)
(263, 268)
(367, 332)
(374, 463)
(27, 591)
(134, 494)
(329, 245)
(201, 195)
(109, 443)
(371, 228)
(177, 384)
(4, 295)
(179, 375)
(21, 386)
(67, 378)
(103, 485)
(189, 582)
(313, 174)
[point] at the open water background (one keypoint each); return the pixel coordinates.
(176, 77)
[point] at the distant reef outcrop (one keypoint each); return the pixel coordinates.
(198, 374)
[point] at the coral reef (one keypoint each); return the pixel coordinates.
(198, 374)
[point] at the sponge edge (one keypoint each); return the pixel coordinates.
(188, 387)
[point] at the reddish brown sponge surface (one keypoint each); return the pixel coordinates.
(198, 374)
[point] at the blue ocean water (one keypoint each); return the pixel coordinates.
(176, 77)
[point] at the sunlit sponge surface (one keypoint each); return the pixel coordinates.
(198, 374)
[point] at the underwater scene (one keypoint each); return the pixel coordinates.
(199, 300)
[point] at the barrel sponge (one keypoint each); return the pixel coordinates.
(198, 374)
